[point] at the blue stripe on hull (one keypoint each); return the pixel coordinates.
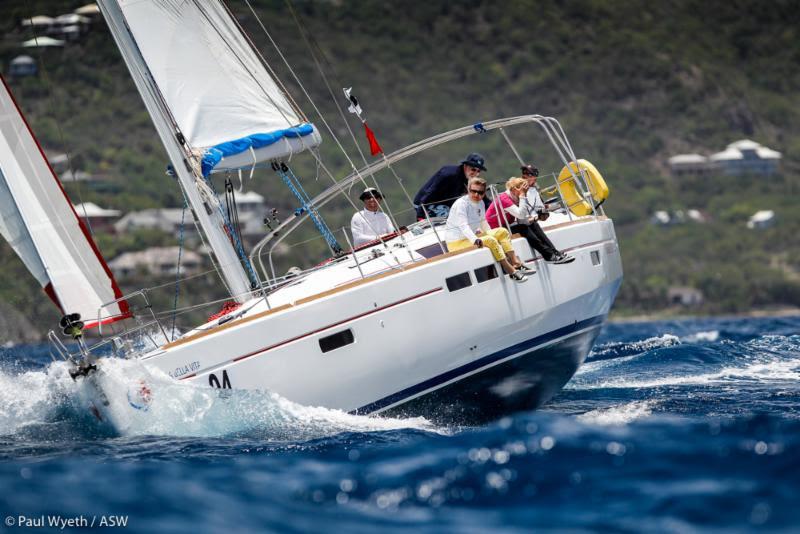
(522, 383)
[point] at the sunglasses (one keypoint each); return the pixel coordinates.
(529, 173)
(480, 192)
(474, 168)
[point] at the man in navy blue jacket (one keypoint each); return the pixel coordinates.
(447, 185)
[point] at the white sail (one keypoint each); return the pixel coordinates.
(226, 104)
(42, 227)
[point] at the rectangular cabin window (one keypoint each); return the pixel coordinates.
(595, 257)
(459, 281)
(334, 341)
(486, 273)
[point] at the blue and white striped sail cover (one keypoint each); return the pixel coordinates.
(226, 104)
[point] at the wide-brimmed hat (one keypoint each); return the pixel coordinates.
(530, 169)
(370, 192)
(475, 160)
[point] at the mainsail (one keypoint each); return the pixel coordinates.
(213, 103)
(225, 103)
(42, 227)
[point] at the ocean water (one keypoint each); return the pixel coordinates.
(671, 426)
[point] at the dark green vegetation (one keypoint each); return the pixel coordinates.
(632, 83)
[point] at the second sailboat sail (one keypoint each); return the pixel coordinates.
(42, 227)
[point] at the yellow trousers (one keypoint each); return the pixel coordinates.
(497, 240)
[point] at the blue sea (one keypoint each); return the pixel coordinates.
(670, 426)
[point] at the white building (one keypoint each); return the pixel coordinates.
(761, 219)
(157, 261)
(167, 220)
(688, 164)
(741, 157)
(22, 66)
(746, 157)
(98, 218)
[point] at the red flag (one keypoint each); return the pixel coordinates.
(374, 147)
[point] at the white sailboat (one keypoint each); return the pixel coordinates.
(399, 326)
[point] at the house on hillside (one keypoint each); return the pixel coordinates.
(90, 11)
(40, 23)
(157, 261)
(98, 219)
(168, 220)
(741, 157)
(684, 296)
(69, 26)
(746, 157)
(761, 220)
(688, 164)
(22, 66)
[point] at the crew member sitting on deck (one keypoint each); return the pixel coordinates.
(370, 223)
(443, 188)
(466, 226)
(510, 209)
(534, 211)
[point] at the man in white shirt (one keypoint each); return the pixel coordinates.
(466, 226)
(370, 223)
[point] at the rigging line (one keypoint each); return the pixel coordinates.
(305, 92)
(308, 36)
(310, 42)
(266, 64)
(313, 104)
(233, 52)
(232, 236)
(178, 271)
(51, 103)
(313, 44)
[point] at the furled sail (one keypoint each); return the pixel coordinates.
(42, 227)
(226, 104)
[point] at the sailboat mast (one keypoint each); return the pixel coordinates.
(204, 204)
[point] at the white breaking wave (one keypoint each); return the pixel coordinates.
(700, 337)
(144, 401)
(651, 343)
(618, 415)
(779, 370)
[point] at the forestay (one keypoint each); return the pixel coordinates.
(43, 229)
(226, 104)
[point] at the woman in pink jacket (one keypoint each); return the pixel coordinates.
(506, 209)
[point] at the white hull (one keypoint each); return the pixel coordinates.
(412, 336)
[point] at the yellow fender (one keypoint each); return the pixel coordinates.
(598, 190)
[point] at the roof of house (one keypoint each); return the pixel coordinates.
(23, 60)
(71, 18)
(152, 216)
(687, 158)
(42, 41)
(154, 256)
(88, 9)
(762, 216)
(90, 209)
(38, 20)
(734, 151)
(248, 197)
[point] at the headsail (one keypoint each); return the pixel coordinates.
(41, 225)
(226, 104)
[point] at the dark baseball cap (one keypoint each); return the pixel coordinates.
(475, 160)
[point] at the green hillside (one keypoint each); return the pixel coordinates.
(631, 82)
